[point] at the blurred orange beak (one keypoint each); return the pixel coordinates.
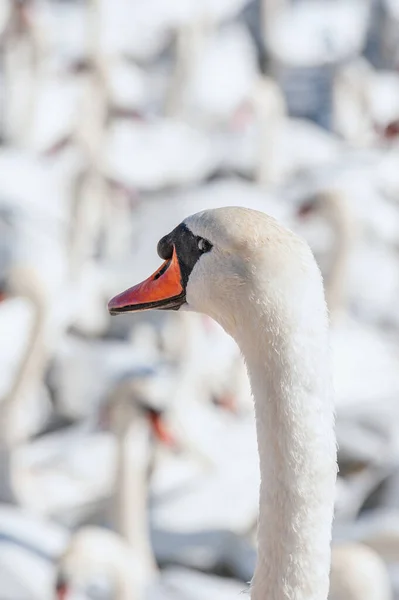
(164, 290)
(227, 403)
(305, 210)
(62, 592)
(161, 430)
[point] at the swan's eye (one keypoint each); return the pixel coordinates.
(203, 245)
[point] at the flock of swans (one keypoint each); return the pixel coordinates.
(192, 452)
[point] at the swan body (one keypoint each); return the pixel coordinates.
(142, 31)
(94, 553)
(298, 35)
(230, 55)
(55, 108)
(24, 574)
(365, 100)
(29, 531)
(261, 284)
(298, 145)
(358, 572)
(126, 556)
(65, 29)
(168, 152)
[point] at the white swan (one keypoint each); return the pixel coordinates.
(22, 49)
(358, 573)
(126, 557)
(95, 554)
(377, 529)
(359, 376)
(23, 410)
(364, 229)
(261, 283)
(28, 547)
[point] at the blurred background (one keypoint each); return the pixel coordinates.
(128, 460)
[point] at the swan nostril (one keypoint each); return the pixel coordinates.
(165, 247)
(161, 271)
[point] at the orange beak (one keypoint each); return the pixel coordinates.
(62, 592)
(227, 403)
(161, 430)
(305, 210)
(164, 290)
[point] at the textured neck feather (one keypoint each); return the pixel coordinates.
(286, 351)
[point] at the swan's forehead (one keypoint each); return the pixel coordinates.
(238, 229)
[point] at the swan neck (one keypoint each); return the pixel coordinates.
(130, 502)
(345, 231)
(288, 367)
(33, 363)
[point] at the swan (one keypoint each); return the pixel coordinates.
(24, 282)
(68, 458)
(365, 240)
(27, 467)
(126, 555)
(94, 554)
(28, 548)
(206, 55)
(261, 283)
(207, 357)
(4, 15)
(333, 206)
(358, 573)
(304, 41)
(143, 31)
(377, 529)
(366, 101)
(359, 377)
(298, 144)
(169, 153)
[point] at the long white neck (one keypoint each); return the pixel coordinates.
(130, 502)
(345, 229)
(288, 365)
(33, 363)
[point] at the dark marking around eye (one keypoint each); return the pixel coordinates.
(187, 247)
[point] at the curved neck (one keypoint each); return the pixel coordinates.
(344, 228)
(33, 362)
(288, 366)
(130, 500)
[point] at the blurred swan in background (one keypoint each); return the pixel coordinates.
(126, 556)
(94, 555)
(26, 381)
(358, 572)
(377, 362)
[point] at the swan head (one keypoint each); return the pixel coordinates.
(224, 262)
(140, 397)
